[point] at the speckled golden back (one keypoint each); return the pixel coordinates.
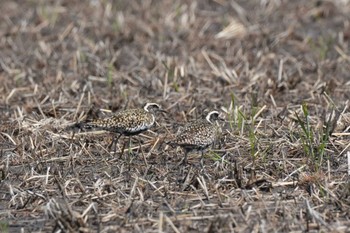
(131, 121)
(196, 135)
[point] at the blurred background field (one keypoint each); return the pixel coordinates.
(279, 71)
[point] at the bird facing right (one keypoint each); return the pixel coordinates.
(197, 135)
(128, 122)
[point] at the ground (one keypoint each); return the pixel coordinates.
(278, 71)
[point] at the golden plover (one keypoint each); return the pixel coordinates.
(197, 135)
(128, 122)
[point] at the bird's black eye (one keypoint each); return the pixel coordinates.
(214, 116)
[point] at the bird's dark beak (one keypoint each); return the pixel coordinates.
(221, 117)
(162, 111)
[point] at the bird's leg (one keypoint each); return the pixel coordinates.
(114, 141)
(184, 160)
(202, 159)
(129, 148)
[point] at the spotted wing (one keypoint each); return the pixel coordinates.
(197, 134)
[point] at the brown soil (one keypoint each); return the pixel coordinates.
(279, 71)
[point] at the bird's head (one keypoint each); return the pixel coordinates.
(153, 107)
(213, 116)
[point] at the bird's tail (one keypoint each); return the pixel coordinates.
(80, 125)
(86, 125)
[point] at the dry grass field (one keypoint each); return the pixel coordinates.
(278, 70)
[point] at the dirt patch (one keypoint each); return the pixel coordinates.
(278, 70)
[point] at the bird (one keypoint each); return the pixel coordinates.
(127, 122)
(197, 135)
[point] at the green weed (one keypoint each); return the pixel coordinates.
(49, 13)
(4, 227)
(244, 122)
(214, 156)
(314, 142)
(171, 76)
(110, 72)
(321, 46)
(236, 116)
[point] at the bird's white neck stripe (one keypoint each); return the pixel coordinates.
(209, 115)
(208, 118)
